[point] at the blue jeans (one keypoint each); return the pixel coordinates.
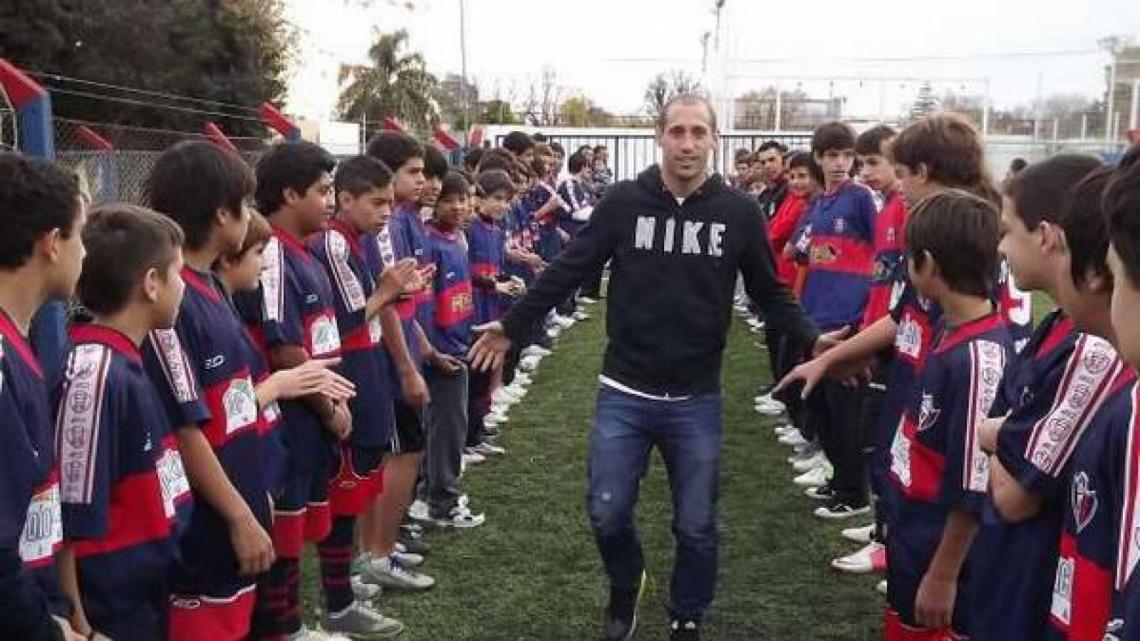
(688, 434)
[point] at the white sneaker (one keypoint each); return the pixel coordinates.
(393, 574)
(795, 439)
(461, 517)
(419, 511)
(363, 591)
(360, 621)
(524, 378)
(815, 477)
(407, 559)
(881, 587)
(580, 316)
(587, 300)
(487, 449)
(536, 350)
(553, 332)
(307, 634)
(781, 430)
(565, 322)
(769, 409)
(505, 396)
(767, 399)
(529, 363)
(516, 389)
(472, 457)
(815, 460)
(490, 421)
(859, 534)
(870, 558)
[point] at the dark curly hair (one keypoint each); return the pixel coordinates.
(35, 198)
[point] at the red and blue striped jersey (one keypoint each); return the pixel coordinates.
(839, 230)
(293, 306)
(122, 481)
(216, 353)
(486, 249)
(409, 240)
(453, 309)
(890, 254)
(1049, 396)
(31, 527)
(340, 251)
(1084, 581)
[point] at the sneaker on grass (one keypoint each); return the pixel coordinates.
(684, 630)
(821, 493)
(489, 449)
(837, 509)
(795, 439)
(363, 591)
(620, 622)
(460, 517)
(308, 634)
(419, 511)
(391, 573)
(810, 462)
(860, 534)
(815, 477)
(870, 558)
(358, 621)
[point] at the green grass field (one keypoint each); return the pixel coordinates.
(532, 571)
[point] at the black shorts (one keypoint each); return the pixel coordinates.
(409, 436)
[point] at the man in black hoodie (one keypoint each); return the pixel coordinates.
(676, 237)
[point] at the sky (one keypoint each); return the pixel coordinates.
(874, 53)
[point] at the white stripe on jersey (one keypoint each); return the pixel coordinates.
(175, 366)
(347, 284)
(987, 362)
(273, 281)
(1084, 387)
(1128, 542)
(78, 422)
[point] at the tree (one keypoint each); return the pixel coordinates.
(664, 86)
(497, 112)
(924, 103)
(757, 109)
(396, 85)
(969, 105)
(231, 51)
(580, 111)
(543, 98)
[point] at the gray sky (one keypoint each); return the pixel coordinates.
(609, 49)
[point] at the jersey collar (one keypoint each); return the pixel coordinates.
(112, 338)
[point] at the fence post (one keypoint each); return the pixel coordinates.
(219, 138)
(278, 122)
(37, 138)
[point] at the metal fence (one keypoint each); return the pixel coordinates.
(119, 173)
(630, 153)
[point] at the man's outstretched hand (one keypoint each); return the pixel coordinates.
(490, 350)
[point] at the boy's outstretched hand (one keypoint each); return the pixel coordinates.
(490, 350)
(402, 276)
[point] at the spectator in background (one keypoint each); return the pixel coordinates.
(770, 158)
(742, 168)
(603, 175)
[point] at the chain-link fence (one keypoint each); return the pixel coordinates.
(114, 161)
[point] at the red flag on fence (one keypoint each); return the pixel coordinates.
(444, 138)
(218, 137)
(391, 124)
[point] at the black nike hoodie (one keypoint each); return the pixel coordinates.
(673, 274)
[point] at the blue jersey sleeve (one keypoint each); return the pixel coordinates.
(1036, 442)
(24, 607)
(168, 355)
(969, 385)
